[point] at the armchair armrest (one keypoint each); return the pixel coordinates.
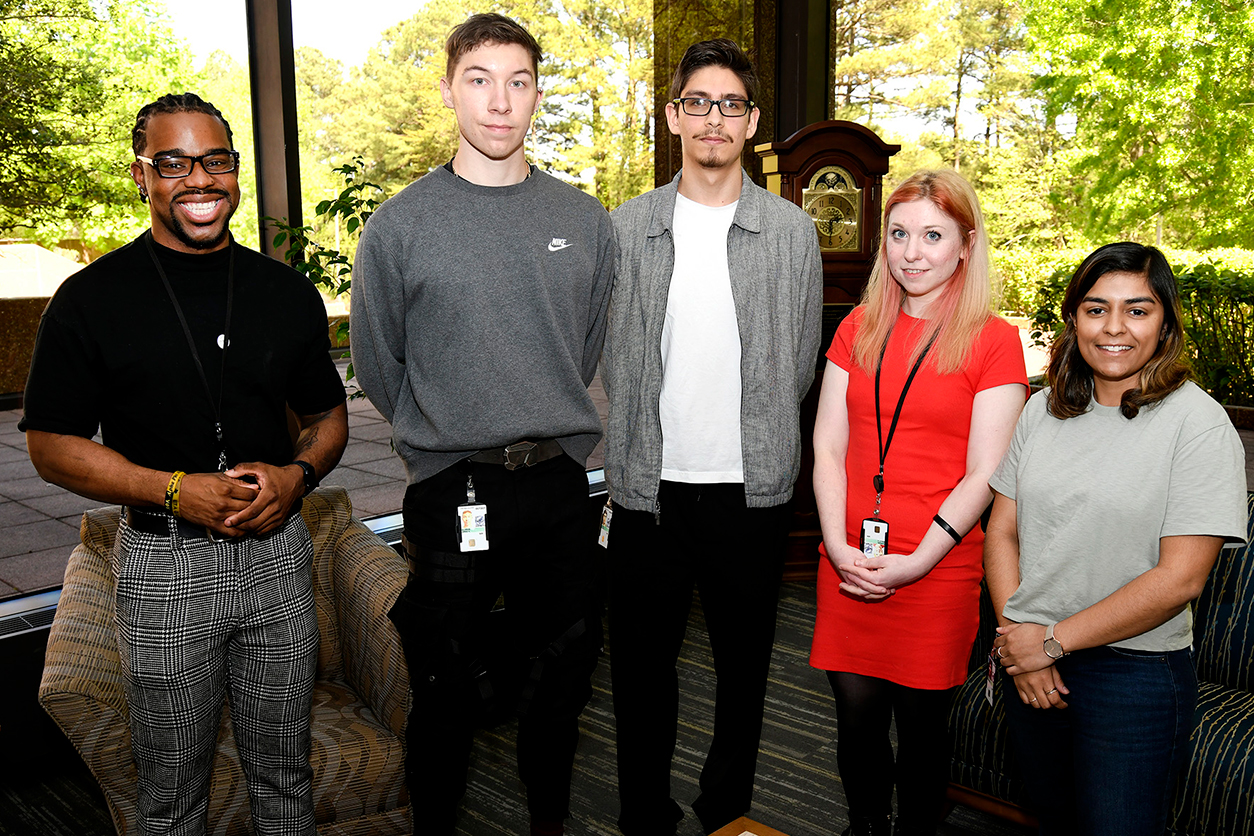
(368, 578)
(82, 656)
(82, 688)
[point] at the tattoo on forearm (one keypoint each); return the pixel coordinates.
(308, 439)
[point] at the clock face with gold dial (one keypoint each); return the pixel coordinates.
(836, 207)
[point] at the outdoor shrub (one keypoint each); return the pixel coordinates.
(1219, 319)
(1023, 271)
(1217, 295)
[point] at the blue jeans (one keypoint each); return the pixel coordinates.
(1108, 763)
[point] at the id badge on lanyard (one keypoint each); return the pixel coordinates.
(472, 522)
(603, 539)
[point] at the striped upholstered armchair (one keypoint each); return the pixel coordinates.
(360, 696)
(1216, 796)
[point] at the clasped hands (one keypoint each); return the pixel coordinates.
(1020, 650)
(875, 578)
(252, 498)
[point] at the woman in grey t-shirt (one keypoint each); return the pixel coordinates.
(1120, 486)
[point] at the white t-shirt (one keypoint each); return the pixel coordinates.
(1095, 493)
(700, 399)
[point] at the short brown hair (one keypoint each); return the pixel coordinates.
(489, 28)
(719, 52)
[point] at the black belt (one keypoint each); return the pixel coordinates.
(519, 454)
(411, 554)
(442, 567)
(158, 523)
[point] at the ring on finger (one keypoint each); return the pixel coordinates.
(1000, 655)
(1032, 700)
(1051, 691)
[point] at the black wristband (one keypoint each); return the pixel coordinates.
(310, 476)
(949, 529)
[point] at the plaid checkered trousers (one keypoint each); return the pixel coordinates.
(199, 621)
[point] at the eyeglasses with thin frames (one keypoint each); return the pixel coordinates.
(172, 167)
(730, 108)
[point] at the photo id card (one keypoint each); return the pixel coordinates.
(874, 539)
(472, 527)
(603, 539)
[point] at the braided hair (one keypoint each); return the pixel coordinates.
(173, 103)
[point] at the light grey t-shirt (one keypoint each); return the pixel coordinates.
(1095, 493)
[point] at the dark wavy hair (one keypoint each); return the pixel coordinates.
(1071, 378)
(719, 52)
(489, 28)
(173, 103)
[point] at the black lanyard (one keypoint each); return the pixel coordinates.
(191, 344)
(878, 480)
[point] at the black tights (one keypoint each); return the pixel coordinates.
(865, 707)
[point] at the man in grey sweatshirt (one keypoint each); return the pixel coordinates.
(478, 312)
(712, 344)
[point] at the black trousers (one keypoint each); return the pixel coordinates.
(544, 561)
(705, 538)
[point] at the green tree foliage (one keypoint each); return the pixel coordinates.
(75, 74)
(44, 96)
(389, 110)
(1079, 121)
(885, 54)
(1162, 96)
(226, 84)
(318, 78)
(987, 51)
(594, 126)
(600, 97)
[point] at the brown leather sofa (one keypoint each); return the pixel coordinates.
(361, 694)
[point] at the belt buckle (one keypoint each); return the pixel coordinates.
(524, 448)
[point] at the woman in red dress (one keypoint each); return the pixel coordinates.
(922, 389)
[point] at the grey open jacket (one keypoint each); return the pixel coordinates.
(777, 287)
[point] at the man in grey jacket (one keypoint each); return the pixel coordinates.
(479, 308)
(712, 343)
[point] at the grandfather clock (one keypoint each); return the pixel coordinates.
(835, 172)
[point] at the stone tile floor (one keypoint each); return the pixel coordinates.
(39, 522)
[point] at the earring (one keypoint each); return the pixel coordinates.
(143, 195)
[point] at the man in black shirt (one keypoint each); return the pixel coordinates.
(186, 350)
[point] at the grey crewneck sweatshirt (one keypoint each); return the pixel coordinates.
(478, 315)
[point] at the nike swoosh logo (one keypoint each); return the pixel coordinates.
(558, 244)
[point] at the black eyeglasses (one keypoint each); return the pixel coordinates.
(171, 167)
(700, 107)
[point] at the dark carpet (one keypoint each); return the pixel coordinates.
(797, 791)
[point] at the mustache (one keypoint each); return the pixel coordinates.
(218, 192)
(713, 132)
